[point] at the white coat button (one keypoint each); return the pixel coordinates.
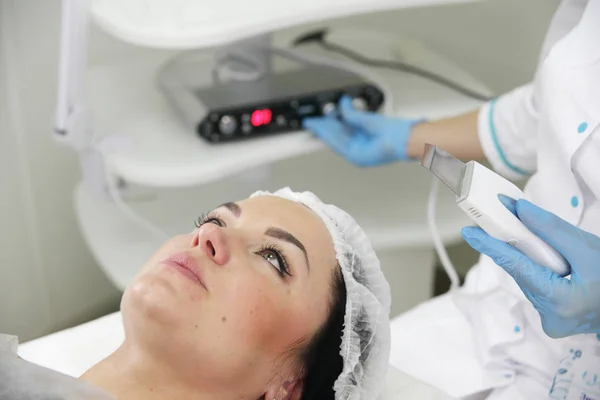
(574, 201)
(517, 329)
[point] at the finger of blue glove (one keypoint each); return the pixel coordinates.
(531, 277)
(509, 203)
(335, 134)
(580, 248)
(359, 119)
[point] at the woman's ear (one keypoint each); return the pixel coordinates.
(288, 390)
(296, 390)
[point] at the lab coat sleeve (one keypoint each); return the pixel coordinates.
(507, 128)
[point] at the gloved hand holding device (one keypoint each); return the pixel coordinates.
(363, 138)
(567, 306)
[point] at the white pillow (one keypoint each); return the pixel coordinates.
(76, 349)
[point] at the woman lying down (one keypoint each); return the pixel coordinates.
(277, 297)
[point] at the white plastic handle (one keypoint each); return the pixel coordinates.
(486, 210)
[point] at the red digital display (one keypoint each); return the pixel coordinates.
(261, 117)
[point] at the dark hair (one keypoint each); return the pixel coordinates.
(321, 359)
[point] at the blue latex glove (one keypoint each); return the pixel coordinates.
(363, 138)
(567, 307)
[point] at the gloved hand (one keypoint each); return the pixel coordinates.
(567, 307)
(363, 138)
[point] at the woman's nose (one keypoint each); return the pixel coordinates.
(211, 240)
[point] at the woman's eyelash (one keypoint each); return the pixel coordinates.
(279, 255)
(212, 217)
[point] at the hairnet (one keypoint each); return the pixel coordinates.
(366, 336)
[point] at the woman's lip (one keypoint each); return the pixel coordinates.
(188, 263)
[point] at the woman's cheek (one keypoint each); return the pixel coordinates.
(256, 309)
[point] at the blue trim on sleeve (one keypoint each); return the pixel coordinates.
(497, 144)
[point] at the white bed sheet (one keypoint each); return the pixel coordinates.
(74, 350)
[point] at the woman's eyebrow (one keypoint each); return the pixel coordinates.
(234, 208)
(280, 234)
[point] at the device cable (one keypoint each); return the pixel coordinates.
(319, 37)
(437, 239)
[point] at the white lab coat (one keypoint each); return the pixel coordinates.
(486, 341)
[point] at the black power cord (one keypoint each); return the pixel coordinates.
(319, 37)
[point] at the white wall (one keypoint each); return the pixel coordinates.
(48, 280)
(19, 290)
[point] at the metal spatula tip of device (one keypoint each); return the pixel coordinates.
(447, 168)
(427, 157)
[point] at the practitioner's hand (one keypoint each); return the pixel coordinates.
(363, 138)
(566, 306)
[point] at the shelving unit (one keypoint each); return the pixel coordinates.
(177, 175)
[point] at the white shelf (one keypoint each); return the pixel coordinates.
(388, 202)
(185, 176)
(165, 153)
(203, 23)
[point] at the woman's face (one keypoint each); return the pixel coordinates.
(229, 303)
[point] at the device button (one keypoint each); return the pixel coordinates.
(206, 129)
(328, 108)
(246, 118)
(214, 117)
(280, 120)
(359, 103)
(246, 128)
(227, 125)
(294, 124)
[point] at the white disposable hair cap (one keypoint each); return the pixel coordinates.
(366, 339)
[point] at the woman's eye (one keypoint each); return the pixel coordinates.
(215, 221)
(277, 260)
(272, 258)
(211, 219)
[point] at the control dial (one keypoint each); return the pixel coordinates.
(359, 103)
(328, 108)
(227, 125)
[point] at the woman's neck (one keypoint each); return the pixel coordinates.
(131, 374)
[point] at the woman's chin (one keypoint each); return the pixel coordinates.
(153, 300)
